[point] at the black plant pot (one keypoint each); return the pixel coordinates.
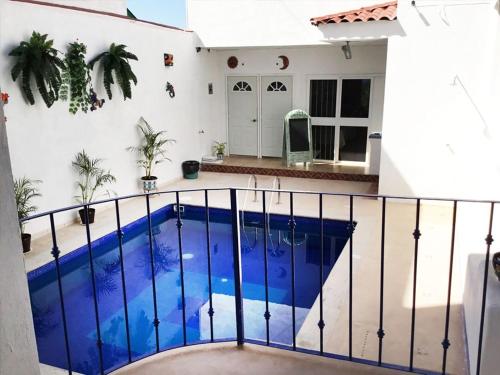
(91, 215)
(190, 169)
(496, 264)
(26, 240)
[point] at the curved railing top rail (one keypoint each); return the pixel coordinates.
(359, 195)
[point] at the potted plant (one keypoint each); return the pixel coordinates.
(220, 149)
(37, 61)
(116, 60)
(92, 178)
(152, 151)
(25, 190)
(496, 264)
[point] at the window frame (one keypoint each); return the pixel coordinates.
(338, 121)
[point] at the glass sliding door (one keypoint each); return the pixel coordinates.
(340, 110)
(323, 110)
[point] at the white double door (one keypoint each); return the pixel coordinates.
(256, 109)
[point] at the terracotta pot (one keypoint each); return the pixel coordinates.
(26, 240)
(91, 215)
(496, 264)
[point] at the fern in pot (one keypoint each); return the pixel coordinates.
(92, 179)
(152, 151)
(25, 190)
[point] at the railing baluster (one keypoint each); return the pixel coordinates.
(156, 321)
(238, 296)
(267, 314)
(351, 231)
(416, 236)
(380, 332)
(321, 323)
(489, 241)
(292, 225)
(55, 253)
(209, 266)
(181, 265)
(446, 341)
(94, 289)
(119, 234)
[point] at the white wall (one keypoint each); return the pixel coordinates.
(306, 63)
(249, 23)
(113, 6)
(44, 141)
(18, 354)
(441, 115)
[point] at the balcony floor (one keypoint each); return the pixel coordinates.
(218, 359)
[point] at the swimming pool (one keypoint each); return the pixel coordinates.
(78, 291)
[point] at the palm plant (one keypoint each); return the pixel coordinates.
(76, 78)
(93, 177)
(25, 190)
(153, 148)
(37, 58)
(116, 60)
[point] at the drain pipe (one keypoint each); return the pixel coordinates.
(279, 190)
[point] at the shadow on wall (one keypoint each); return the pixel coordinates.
(391, 180)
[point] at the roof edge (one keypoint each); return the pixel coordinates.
(342, 17)
(99, 12)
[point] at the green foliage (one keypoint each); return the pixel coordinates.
(76, 78)
(25, 190)
(219, 147)
(116, 61)
(37, 59)
(153, 148)
(92, 176)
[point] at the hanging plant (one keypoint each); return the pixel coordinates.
(116, 61)
(76, 81)
(38, 59)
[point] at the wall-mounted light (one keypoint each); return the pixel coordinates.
(347, 51)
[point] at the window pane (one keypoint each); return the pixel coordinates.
(323, 142)
(352, 143)
(355, 98)
(322, 97)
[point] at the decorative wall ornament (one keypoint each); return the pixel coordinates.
(168, 59)
(232, 62)
(95, 103)
(170, 89)
(283, 63)
(4, 97)
(116, 61)
(37, 60)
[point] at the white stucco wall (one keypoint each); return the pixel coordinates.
(248, 23)
(113, 6)
(44, 141)
(441, 112)
(18, 354)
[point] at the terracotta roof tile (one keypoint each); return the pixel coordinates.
(385, 11)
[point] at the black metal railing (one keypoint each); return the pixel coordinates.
(237, 273)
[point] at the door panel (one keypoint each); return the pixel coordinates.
(242, 115)
(276, 101)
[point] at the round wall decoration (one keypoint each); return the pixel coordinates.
(232, 62)
(283, 63)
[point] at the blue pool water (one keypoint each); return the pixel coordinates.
(78, 295)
